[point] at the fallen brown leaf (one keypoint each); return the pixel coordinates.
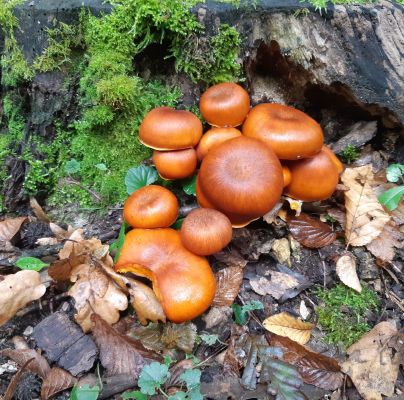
(315, 369)
(57, 380)
(38, 365)
(383, 247)
(373, 363)
(61, 270)
(38, 211)
(346, 271)
(77, 244)
(231, 258)
(10, 227)
(17, 290)
(228, 282)
(365, 216)
(285, 325)
(310, 232)
(275, 287)
(119, 354)
(60, 233)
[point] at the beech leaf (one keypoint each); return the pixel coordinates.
(374, 362)
(17, 290)
(285, 325)
(10, 227)
(346, 271)
(57, 380)
(228, 282)
(310, 232)
(365, 216)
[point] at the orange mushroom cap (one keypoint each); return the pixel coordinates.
(205, 231)
(287, 176)
(313, 179)
(183, 282)
(334, 159)
(177, 164)
(164, 128)
(225, 104)
(242, 178)
(151, 206)
(213, 137)
(291, 133)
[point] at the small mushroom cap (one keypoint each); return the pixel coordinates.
(165, 128)
(151, 206)
(205, 231)
(291, 133)
(313, 179)
(241, 177)
(177, 164)
(213, 137)
(287, 176)
(334, 159)
(183, 282)
(225, 104)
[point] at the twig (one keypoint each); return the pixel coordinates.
(71, 181)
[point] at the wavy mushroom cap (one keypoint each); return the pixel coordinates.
(334, 158)
(177, 164)
(241, 177)
(183, 282)
(225, 104)
(287, 175)
(165, 128)
(291, 133)
(313, 179)
(205, 231)
(213, 137)
(151, 206)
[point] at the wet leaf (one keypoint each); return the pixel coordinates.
(152, 377)
(315, 369)
(17, 290)
(57, 380)
(228, 282)
(30, 263)
(365, 216)
(140, 176)
(182, 336)
(285, 325)
(310, 232)
(374, 362)
(10, 227)
(346, 271)
(119, 354)
(383, 247)
(38, 365)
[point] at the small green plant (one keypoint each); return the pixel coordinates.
(349, 154)
(391, 198)
(342, 313)
(241, 313)
(30, 263)
(140, 176)
(85, 392)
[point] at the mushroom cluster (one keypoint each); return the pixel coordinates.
(242, 176)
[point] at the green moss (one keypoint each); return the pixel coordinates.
(349, 154)
(342, 313)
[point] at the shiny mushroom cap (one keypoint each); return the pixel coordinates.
(183, 282)
(334, 158)
(241, 178)
(225, 104)
(177, 164)
(291, 133)
(165, 128)
(151, 206)
(205, 231)
(313, 179)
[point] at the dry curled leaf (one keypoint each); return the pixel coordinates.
(346, 271)
(17, 290)
(119, 354)
(285, 325)
(310, 232)
(38, 211)
(315, 369)
(57, 380)
(10, 227)
(374, 362)
(78, 245)
(228, 282)
(365, 216)
(61, 270)
(383, 247)
(38, 365)
(276, 287)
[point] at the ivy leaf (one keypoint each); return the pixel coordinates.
(101, 167)
(390, 198)
(152, 377)
(394, 172)
(118, 243)
(135, 394)
(241, 312)
(210, 340)
(192, 378)
(72, 167)
(140, 176)
(189, 186)
(85, 392)
(30, 263)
